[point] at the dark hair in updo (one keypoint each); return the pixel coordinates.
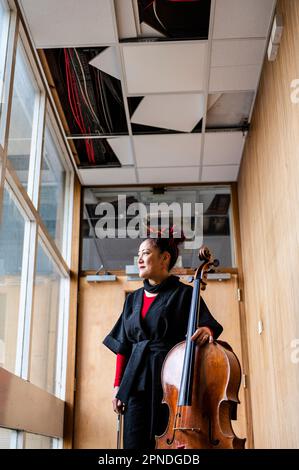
(169, 244)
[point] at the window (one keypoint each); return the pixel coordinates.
(34, 280)
(12, 439)
(24, 116)
(117, 253)
(7, 438)
(52, 186)
(36, 441)
(4, 27)
(12, 231)
(46, 307)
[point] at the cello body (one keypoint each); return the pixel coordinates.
(200, 387)
(207, 423)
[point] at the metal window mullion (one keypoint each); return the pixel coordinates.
(36, 147)
(67, 284)
(58, 138)
(59, 388)
(16, 440)
(20, 439)
(64, 291)
(9, 77)
(68, 216)
(25, 372)
(39, 149)
(64, 288)
(58, 443)
(4, 34)
(7, 93)
(26, 300)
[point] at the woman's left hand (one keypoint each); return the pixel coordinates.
(202, 335)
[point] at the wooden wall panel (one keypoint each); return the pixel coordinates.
(268, 193)
(221, 297)
(72, 326)
(99, 307)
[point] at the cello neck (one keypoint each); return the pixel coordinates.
(188, 365)
(200, 282)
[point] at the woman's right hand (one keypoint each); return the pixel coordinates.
(118, 405)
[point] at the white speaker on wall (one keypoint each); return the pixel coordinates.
(275, 37)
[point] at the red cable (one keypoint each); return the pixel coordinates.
(73, 96)
(67, 72)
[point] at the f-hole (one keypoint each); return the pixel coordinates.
(214, 442)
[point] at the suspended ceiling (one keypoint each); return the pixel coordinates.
(154, 91)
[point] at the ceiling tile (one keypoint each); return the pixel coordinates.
(238, 52)
(244, 77)
(165, 67)
(125, 17)
(229, 109)
(176, 112)
(70, 23)
(219, 173)
(147, 31)
(104, 176)
(222, 148)
(107, 61)
(242, 18)
(167, 150)
(122, 148)
(169, 175)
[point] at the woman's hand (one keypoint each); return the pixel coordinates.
(118, 406)
(202, 335)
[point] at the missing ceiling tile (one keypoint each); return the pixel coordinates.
(229, 110)
(175, 19)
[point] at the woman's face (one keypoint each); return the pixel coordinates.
(151, 263)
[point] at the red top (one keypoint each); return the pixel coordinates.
(121, 359)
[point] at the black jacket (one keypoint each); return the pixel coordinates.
(147, 341)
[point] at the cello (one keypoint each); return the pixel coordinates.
(200, 384)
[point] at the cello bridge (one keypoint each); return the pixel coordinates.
(187, 429)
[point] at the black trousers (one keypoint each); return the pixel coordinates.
(137, 422)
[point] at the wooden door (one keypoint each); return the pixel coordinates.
(99, 307)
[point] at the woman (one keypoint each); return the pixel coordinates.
(154, 319)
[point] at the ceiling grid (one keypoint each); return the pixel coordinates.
(207, 83)
(120, 55)
(171, 100)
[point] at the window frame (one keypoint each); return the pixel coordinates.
(38, 117)
(21, 310)
(5, 60)
(28, 202)
(69, 179)
(8, 76)
(59, 386)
